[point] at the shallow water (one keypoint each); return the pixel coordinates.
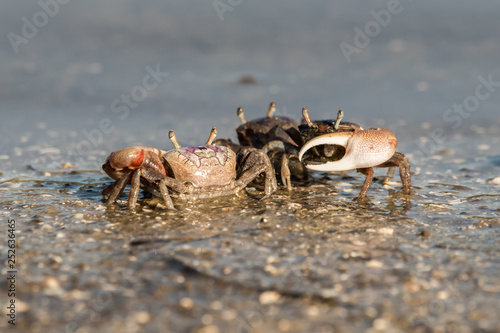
(312, 260)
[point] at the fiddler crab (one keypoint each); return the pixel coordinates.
(278, 137)
(332, 145)
(193, 172)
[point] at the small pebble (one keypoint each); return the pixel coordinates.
(186, 303)
(142, 317)
(269, 297)
(229, 315)
(216, 305)
(375, 264)
(424, 233)
(47, 228)
(51, 282)
(313, 311)
(380, 324)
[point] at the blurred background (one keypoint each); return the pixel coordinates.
(82, 73)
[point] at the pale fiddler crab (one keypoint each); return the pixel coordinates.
(278, 137)
(332, 145)
(194, 172)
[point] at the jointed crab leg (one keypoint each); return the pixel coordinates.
(249, 172)
(285, 172)
(113, 191)
(135, 184)
(164, 194)
(399, 160)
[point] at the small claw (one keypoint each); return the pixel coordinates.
(305, 114)
(241, 115)
(171, 136)
(211, 137)
(340, 115)
(271, 110)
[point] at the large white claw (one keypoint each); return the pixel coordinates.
(364, 149)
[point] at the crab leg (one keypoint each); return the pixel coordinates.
(368, 172)
(113, 191)
(399, 160)
(285, 172)
(253, 171)
(165, 195)
(135, 184)
(390, 174)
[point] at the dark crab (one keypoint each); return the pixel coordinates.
(332, 145)
(193, 172)
(278, 137)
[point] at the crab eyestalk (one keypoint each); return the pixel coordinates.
(340, 115)
(211, 137)
(271, 110)
(305, 114)
(173, 139)
(241, 115)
